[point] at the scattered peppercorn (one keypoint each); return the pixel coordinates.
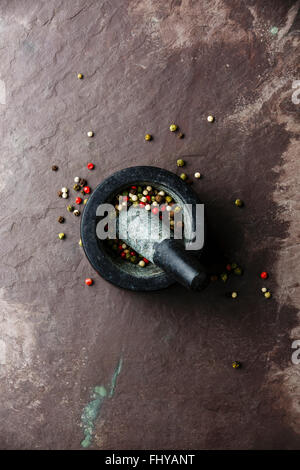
(180, 162)
(197, 175)
(148, 137)
(90, 134)
(87, 189)
(264, 289)
(61, 219)
(228, 267)
(76, 179)
(264, 275)
(59, 193)
(224, 277)
(78, 200)
(76, 212)
(236, 365)
(89, 281)
(70, 208)
(214, 278)
(61, 235)
(238, 271)
(234, 295)
(90, 166)
(173, 127)
(268, 295)
(82, 182)
(80, 76)
(210, 118)
(76, 187)
(180, 135)
(65, 195)
(142, 263)
(80, 242)
(239, 203)
(183, 176)
(54, 167)
(85, 201)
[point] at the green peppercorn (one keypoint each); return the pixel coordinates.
(238, 271)
(183, 176)
(139, 189)
(76, 187)
(239, 203)
(234, 265)
(236, 364)
(61, 235)
(224, 277)
(180, 162)
(70, 208)
(169, 198)
(133, 259)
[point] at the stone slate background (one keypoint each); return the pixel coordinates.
(164, 357)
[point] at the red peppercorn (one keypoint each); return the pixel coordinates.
(148, 198)
(120, 247)
(123, 254)
(228, 267)
(78, 200)
(87, 189)
(155, 210)
(90, 166)
(142, 204)
(132, 253)
(145, 260)
(89, 281)
(264, 275)
(133, 187)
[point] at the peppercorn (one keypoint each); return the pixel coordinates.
(234, 295)
(65, 195)
(89, 281)
(61, 219)
(61, 235)
(268, 295)
(239, 203)
(224, 277)
(180, 162)
(59, 193)
(76, 179)
(90, 166)
(233, 265)
(197, 175)
(85, 201)
(82, 182)
(87, 189)
(169, 198)
(158, 199)
(78, 200)
(214, 278)
(76, 212)
(228, 267)
(210, 118)
(70, 208)
(76, 187)
(183, 176)
(80, 242)
(238, 271)
(264, 275)
(54, 167)
(264, 289)
(236, 365)
(173, 127)
(180, 135)
(148, 137)
(90, 134)
(142, 263)
(80, 76)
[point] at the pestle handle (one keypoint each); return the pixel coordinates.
(181, 264)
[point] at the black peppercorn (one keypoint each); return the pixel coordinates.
(54, 168)
(180, 135)
(59, 193)
(82, 182)
(61, 219)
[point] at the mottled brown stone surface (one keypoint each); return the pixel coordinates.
(145, 65)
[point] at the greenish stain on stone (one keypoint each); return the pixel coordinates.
(114, 378)
(92, 410)
(274, 30)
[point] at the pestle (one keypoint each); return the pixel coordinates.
(147, 235)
